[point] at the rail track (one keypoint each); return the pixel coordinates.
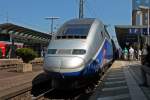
(25, 91)
(41, 96)
(80, 94)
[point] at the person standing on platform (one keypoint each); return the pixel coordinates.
(131, 53)
(125, 53)
(139, 54)
(120, 53)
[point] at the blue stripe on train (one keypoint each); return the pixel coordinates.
(93, 67)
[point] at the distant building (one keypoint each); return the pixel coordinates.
(13, 36)
(135, 34)
(139, 15)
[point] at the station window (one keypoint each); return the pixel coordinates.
(4, 37)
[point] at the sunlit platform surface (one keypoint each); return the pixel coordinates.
(12, 81)
(121, 82)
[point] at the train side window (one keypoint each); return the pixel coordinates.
(51, 51)
(102, 34)
(107, 34)
(78, 51)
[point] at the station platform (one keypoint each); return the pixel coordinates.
(121, 82)
(12, 81)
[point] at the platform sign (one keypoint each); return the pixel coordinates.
(138, 31)
(145, 31)
(135, 31)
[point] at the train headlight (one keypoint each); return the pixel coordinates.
(77, 62)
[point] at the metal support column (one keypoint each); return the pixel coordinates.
(81, 8)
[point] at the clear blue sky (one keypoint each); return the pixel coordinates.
(31, 13)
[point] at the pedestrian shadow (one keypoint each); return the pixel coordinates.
(135, 70)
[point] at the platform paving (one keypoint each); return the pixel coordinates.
(9, 79)
(121, 82)
(134, 69)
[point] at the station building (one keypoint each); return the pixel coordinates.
(16, 36)
(132, 35)
(136, 34)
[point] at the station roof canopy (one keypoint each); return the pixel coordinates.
(130, 26)
(121, 30)
(129, 33)
(23, 33)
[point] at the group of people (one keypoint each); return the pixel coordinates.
(143, 56)
(131, 54)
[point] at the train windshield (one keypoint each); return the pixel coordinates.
(77, 29)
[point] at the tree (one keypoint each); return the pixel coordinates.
(26, 54)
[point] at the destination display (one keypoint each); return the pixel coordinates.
(142, 31)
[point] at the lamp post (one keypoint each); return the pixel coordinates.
(146, 8)
(139, 15)
(52, 22)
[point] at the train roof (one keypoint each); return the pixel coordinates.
(76, 28)
(81, 21)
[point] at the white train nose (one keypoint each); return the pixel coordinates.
(52, 62)
(72, 62)
(55, 63)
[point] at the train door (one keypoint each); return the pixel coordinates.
(3, 49)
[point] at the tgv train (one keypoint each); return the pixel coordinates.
(79, 52)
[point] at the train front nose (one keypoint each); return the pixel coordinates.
(63, 64)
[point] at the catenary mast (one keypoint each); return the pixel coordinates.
(81, 4)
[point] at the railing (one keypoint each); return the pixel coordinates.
(13, 63)
(37, 61)
(9, 63)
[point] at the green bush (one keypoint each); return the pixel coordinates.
(26, 54)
